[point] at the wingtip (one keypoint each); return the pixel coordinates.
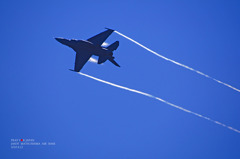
(72, 70)
(109, 29)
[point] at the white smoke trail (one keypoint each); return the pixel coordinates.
(104, 44)
(177, 63)
(93, 60)
(157, 98)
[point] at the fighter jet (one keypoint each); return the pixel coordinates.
(93, 46)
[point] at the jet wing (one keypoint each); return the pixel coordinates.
(101, 37)
(80, 60)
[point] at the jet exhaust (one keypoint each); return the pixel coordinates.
(162, 100)
(177, 63)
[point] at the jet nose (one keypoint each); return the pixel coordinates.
(59, 40)
(63, 41)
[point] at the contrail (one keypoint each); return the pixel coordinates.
(177, 63)
(162, 100)
(93, 60)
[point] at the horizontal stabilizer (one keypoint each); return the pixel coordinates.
(113, 46)
(114, 62)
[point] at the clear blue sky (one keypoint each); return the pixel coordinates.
(41, 99)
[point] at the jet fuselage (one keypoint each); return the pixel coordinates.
(86, 46)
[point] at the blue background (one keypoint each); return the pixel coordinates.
(41, 99)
